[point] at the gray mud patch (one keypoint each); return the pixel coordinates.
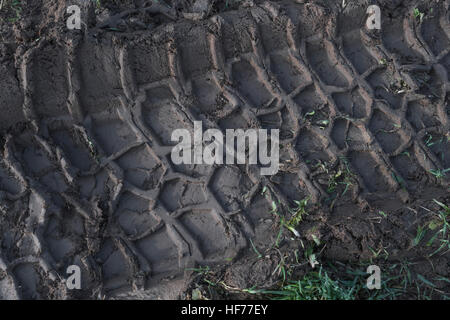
(86, 176)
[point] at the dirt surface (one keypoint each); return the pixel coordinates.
(86, 176)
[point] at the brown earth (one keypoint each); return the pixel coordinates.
(86, 117)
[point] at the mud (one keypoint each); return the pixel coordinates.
(86, 176)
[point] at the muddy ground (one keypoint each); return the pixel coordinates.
(86, 176)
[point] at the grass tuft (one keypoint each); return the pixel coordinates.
(13, 9)
(316, 285)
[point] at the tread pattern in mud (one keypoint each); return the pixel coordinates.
(88, 179)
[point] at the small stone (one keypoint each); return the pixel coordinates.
(403, 195)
